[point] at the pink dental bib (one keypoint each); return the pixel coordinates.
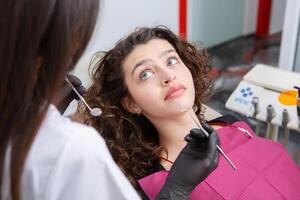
(265, 171)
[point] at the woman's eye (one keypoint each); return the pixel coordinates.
(172, 61)
(146, 74)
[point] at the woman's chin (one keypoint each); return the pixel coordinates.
(183, 107)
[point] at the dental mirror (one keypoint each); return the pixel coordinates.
(93, 111)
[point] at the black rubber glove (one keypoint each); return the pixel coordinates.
(66, 95)
(194, 163)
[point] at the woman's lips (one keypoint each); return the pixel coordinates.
(174, 91)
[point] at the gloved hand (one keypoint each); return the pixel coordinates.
(194, 163)
(66, 95)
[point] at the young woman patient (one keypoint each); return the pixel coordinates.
(151, 87)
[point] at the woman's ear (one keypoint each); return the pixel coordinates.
(129, 105)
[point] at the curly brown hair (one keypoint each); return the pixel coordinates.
(132, 139)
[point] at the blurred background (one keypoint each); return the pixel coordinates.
(237, 33)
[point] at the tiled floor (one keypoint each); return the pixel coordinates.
(235, 58)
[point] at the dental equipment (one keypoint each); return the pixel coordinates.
(93, 111)
(271, 129)
(298, 105)
(218, 147)
(285, 121)
(254, 104)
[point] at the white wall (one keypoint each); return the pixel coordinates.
(121, 17)
(277, 16)
(289, 35)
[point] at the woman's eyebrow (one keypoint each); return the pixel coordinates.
(166, 52)
(142, 62)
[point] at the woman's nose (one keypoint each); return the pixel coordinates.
(167, 76)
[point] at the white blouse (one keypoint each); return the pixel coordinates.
(69, 161)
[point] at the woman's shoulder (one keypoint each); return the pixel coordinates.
(212, 115)
(227, 119)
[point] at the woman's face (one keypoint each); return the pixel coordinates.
(159, 83)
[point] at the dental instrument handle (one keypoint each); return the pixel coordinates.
(284, 123)
(226, 157)
(78, 94)
(218, 147)
(271, 129)
(253, 107)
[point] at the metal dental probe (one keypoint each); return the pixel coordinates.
(218, 147)
(94, 111)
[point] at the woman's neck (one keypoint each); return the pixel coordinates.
(171, 133)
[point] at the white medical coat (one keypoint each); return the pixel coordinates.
(70, 161)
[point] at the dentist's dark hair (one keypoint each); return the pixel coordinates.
(40, 41)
